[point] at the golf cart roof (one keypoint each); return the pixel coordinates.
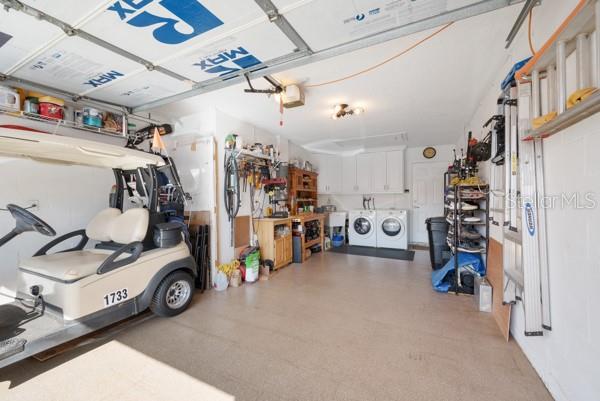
(65, 150)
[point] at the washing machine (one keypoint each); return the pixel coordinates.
(392, 229)
(362, 230)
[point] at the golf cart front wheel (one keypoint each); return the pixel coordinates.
(173, 295)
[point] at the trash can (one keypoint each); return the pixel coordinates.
(439, 251)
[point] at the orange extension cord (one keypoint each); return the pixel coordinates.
(529, 34)
(383, 62)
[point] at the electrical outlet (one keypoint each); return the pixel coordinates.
(35, 205)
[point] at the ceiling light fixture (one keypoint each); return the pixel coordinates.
(342, 110)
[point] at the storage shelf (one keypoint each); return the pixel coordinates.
(58, 123)
(312, 243)
(570, 117)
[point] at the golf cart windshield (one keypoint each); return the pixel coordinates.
(65, 150)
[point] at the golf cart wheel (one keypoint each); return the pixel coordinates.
(173, 295)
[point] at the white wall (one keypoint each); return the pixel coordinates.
(567, 357)
(69, 196)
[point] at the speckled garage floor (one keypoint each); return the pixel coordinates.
(338, 327)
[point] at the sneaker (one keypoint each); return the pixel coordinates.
(463, 206)
(470, 248)
(472, 219)
(471, 194)
(468, 206)
(472, 235)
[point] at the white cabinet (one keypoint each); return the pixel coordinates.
(364, 167)
(349, 175)
(395, 171)
(366, 173)
(330, 174)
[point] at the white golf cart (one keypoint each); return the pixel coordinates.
(137, 259)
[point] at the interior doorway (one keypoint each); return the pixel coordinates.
(427, 197)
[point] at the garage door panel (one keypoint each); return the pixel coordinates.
(69, 11)
(16, 39)
(77, 66)
(327, 23)
(234, 52)
(159, 30)
(141, 88)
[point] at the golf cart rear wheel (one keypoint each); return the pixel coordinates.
(173, 294)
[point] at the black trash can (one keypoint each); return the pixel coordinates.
(439, 251)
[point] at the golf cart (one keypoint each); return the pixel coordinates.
(131, 256)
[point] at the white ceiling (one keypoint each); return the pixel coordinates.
(428, 94)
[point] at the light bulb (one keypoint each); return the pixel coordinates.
(358, 111)
(337, 108)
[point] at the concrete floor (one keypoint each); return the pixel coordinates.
(335, 328)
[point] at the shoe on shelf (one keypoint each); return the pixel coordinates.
(470, 235)
(470, 248)
(472, 219)
(468, 206)
(463, 206)
(471, 194)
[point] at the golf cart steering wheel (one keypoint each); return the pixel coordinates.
(27, 221)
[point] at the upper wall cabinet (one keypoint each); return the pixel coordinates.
(330, 174)
(366, 173)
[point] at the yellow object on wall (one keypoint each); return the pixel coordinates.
(579, 96)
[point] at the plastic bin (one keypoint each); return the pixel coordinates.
(439, 251)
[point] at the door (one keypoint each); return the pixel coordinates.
(363, 173)
(378, 172)
(279, 251)
(324, 174)
(428, 197)
(349, 175)
(362, 226)
(287, 249)
(391, 227)
(395, 171)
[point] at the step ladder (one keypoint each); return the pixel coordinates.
(542, 78)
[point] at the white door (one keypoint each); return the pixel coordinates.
(349, 175)
(363, 173)
(395, 171)
(378, 172)
(428, 197)
(324, 174)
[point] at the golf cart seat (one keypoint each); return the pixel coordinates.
(127, 228)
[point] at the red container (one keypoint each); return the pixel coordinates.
(51, 110)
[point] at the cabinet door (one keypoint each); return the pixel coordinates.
(279, 251)
(335, 175)
(378, 172)
(287, 249)
(395, 171)
(349, 175)
(324, 174)
(363, 173)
